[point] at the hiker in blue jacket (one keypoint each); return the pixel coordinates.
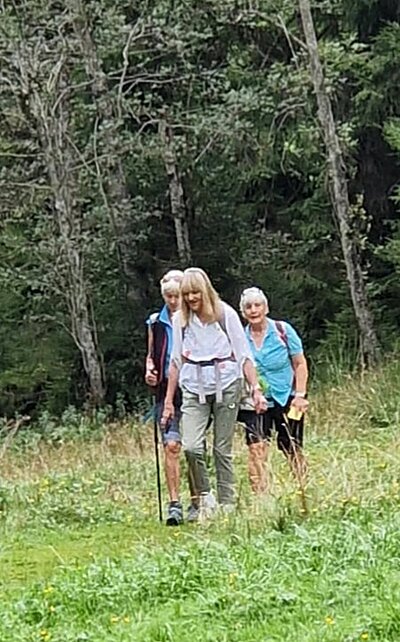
(282, 374)
(159, 339)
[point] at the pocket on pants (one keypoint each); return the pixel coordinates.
(231, 395)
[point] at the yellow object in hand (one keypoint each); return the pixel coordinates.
(294, 414)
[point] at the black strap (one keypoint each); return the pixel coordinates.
(211, 362)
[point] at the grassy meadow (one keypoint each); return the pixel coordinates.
(83, 557)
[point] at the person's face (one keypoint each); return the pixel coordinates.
(172, 301)
(194, 299)
(255, 312)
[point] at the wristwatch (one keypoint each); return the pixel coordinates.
(300, 394)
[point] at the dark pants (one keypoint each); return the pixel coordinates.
(260, 427)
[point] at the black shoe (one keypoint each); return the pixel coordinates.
(175, 514)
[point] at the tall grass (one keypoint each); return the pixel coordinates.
(82, 556)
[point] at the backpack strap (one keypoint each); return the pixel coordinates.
(281, 330)
(280, 327)
(221, 321)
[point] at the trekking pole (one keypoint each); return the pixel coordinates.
(157, 454)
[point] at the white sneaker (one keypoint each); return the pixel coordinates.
(227, 509)
(208, 506)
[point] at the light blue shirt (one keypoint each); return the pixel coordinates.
(273, 361)
(163, 317)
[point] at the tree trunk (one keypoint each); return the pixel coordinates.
(176, 195)
(50, 114)
(112, 177)
(340, 195)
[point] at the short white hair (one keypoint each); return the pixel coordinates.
(252, 295)
(171, 281)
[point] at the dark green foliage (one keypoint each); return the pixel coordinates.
(231, 80)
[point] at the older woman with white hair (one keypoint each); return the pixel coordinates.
(282, 374)
(210, 355)
(159, 340)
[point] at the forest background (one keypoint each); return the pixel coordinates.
(136, 137)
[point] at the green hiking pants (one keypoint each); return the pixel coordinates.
(195, 418)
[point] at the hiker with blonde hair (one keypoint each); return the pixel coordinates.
(282, 374)
(210, 356)
(159, 345)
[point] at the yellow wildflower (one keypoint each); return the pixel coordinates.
(48, 589)
(329, 620)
